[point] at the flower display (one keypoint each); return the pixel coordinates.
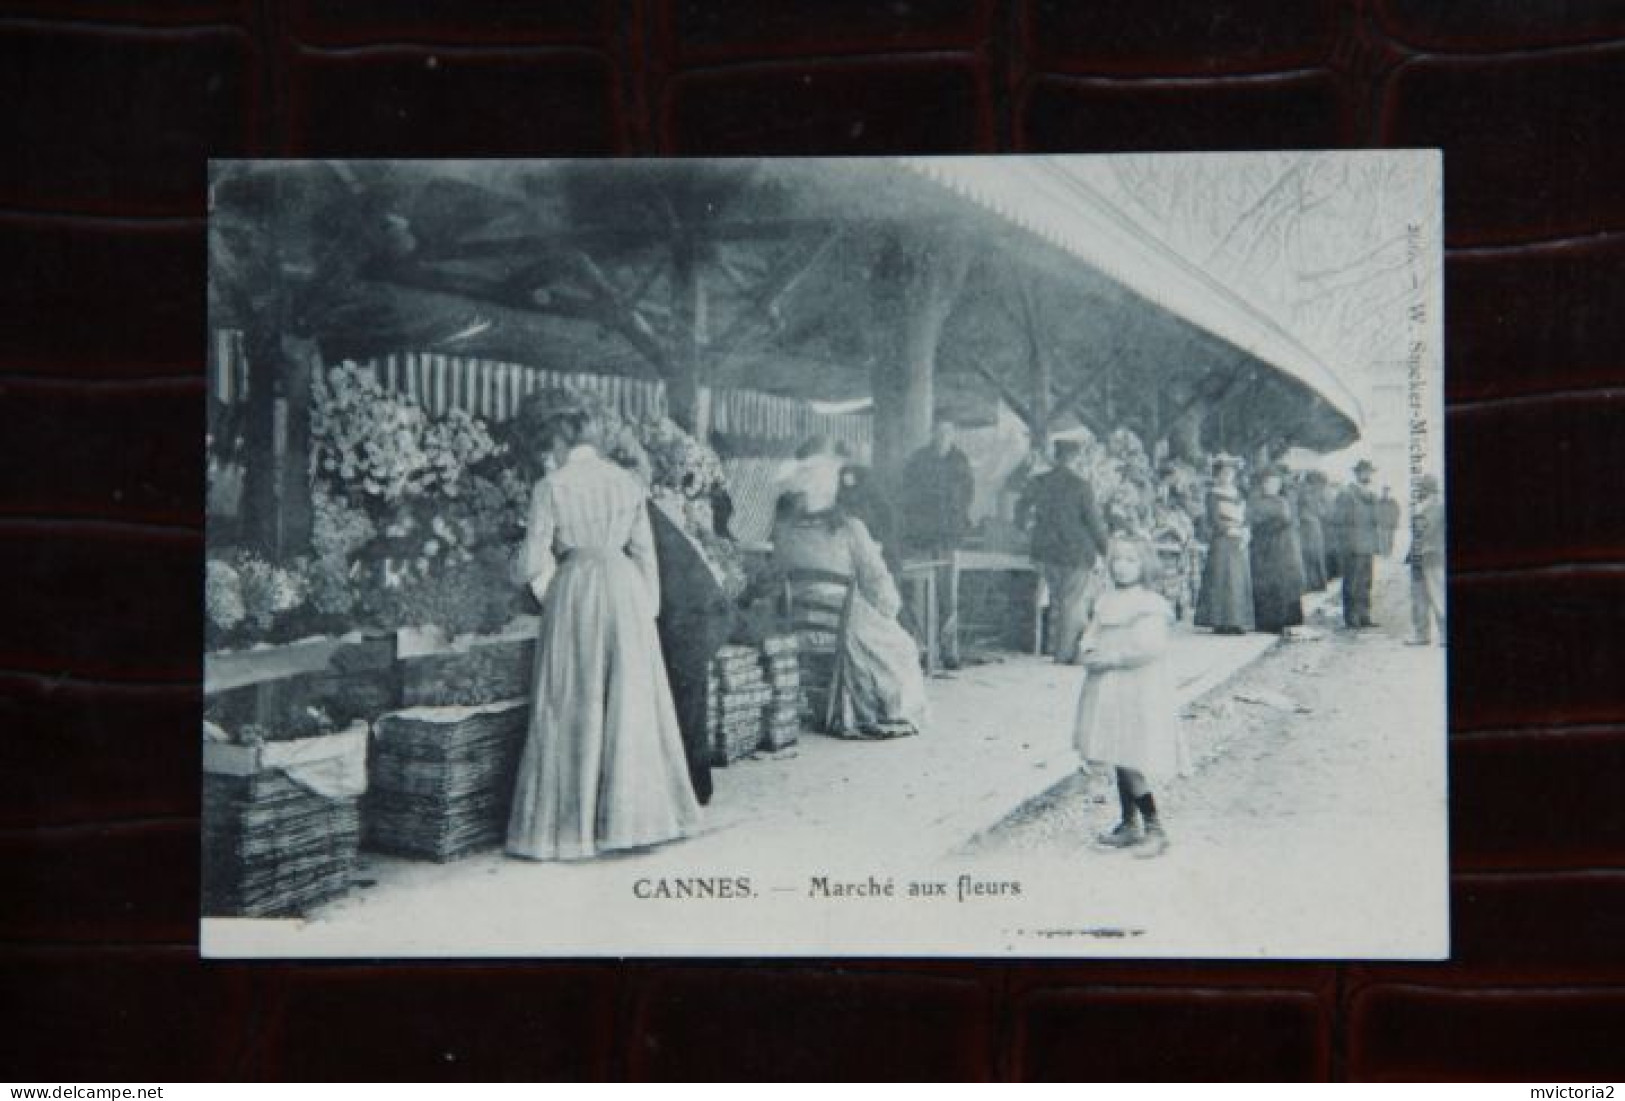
(678, 461)
(415, 517)
(269, 591)
(338, 530)
(370, 443)
(497, 505)
(367, 442)
(451, 446)
(223, 595)
(471, 595)
(332, 583)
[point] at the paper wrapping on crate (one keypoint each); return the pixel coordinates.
(454, 713)
(336, 775)
(331, 765)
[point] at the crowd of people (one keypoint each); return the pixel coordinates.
(633, 610)
(1292, 535)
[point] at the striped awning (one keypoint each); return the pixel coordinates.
(494, 390)
(770, 417)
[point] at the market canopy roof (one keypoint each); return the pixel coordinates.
(1039, 195)
(568, 265)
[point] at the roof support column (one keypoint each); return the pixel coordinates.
(917, 280)
(683, 379)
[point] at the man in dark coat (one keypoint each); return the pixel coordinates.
(1068, 536)
(1360, 537)
(696, 618)
(936, 492)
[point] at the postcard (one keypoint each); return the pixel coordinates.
(967, 556)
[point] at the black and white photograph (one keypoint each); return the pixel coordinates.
(1033, 556)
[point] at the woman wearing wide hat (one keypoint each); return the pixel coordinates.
(1276, 555)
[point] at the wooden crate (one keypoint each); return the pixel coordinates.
(442, 779)
(281, 823)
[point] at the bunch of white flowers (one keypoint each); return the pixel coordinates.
(268, 591)
(375, 444)
(453, 444)
(677, 460)
(367, 441)
(223, 595)
(338, 529)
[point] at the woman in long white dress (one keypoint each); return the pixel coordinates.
(603, 767)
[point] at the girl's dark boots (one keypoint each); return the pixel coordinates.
(1156, 840)
(1127, 832)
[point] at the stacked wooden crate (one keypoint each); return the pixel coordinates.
(782, 665)
(737, 696)
(281, 823)
(442, 778)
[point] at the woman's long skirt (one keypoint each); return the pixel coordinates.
(603, 766)
(1226, 600)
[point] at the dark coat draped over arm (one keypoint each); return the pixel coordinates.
(695, 621)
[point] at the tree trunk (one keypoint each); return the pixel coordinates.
(301, 360)
(258, 509)
(1041, 370)
(277, 505)
(917, 281)
(684, 380)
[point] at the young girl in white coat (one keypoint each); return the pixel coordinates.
(1126, 718)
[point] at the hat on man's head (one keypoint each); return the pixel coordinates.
(1364, 466)
(1221, 459)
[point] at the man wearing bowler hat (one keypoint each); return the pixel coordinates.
(1359, 515)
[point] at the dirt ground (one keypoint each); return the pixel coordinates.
(1320, 783)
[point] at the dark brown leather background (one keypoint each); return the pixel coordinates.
(107, 112)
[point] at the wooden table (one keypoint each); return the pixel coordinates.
(990, 561)
(918, 581)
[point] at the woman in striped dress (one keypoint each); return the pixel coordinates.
(603, 767)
